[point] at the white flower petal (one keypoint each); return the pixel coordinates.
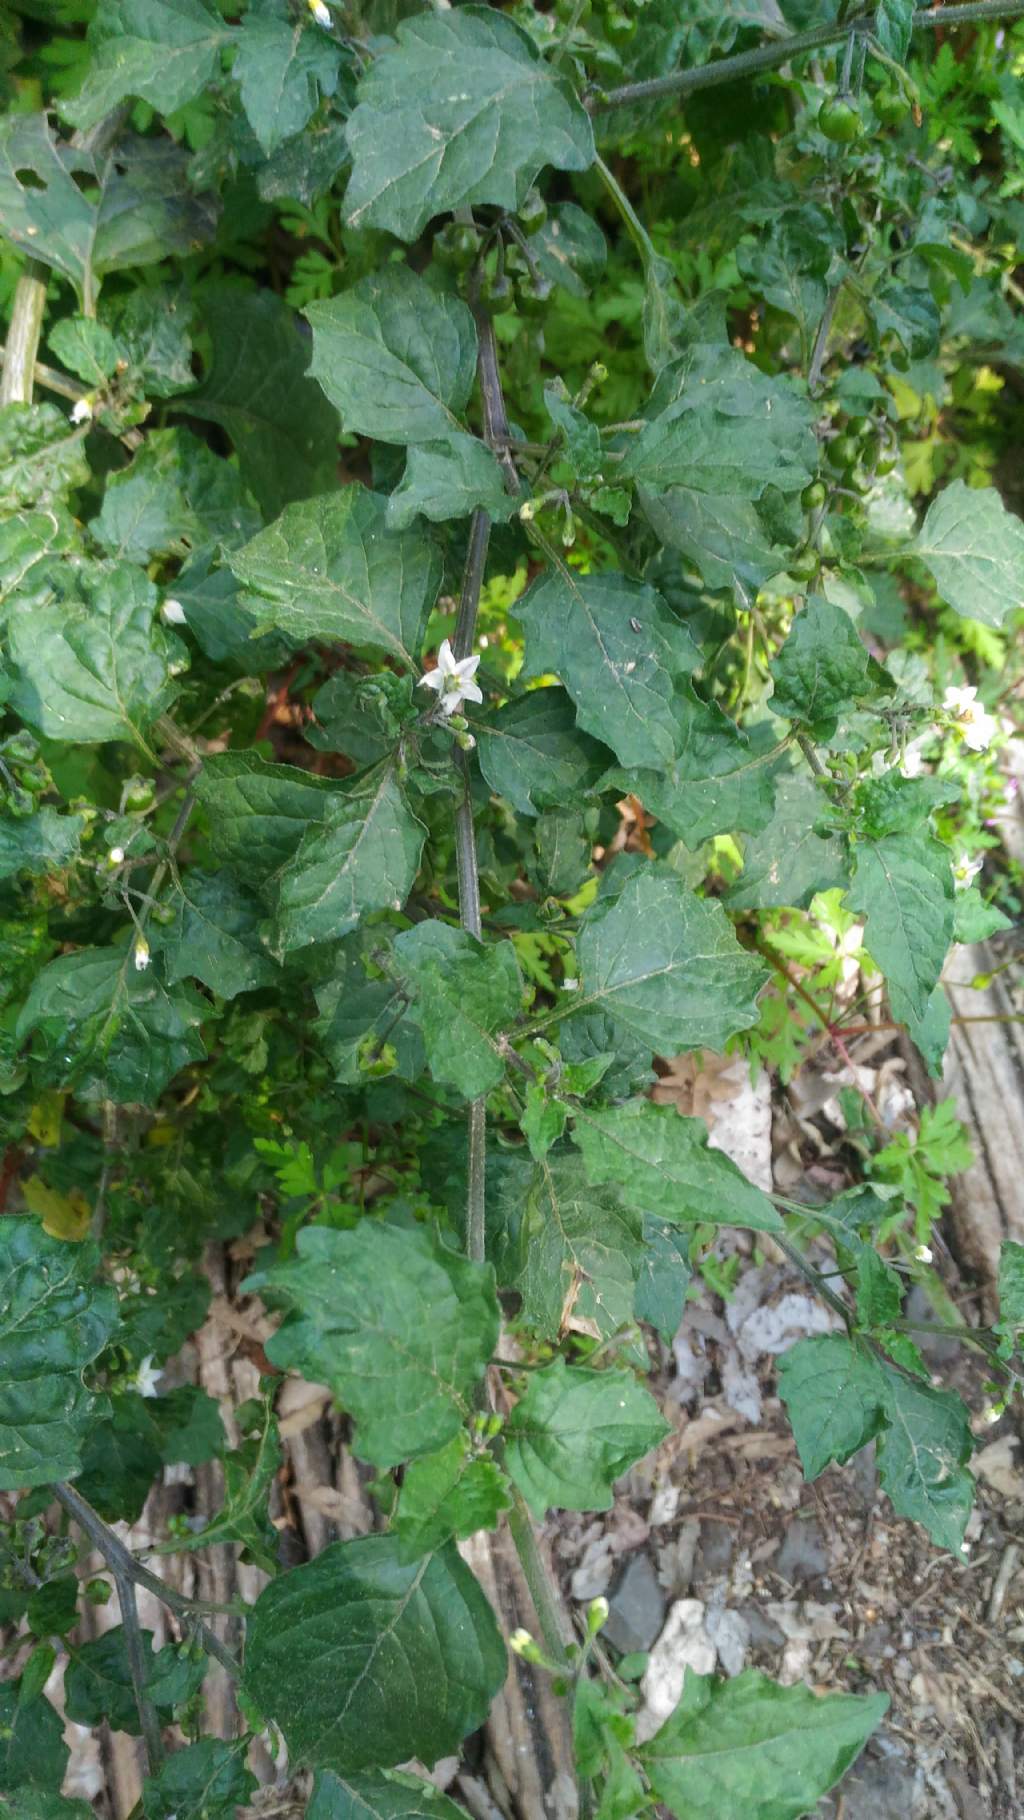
(470, 692)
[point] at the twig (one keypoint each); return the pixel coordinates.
(26, 326)
(553, 1627)
(820, 349)
(772, 56)
(135, 1650)
(123, 1565)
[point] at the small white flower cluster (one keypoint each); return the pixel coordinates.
(147, 1377)
(976, 724)
(965, 870)
(452, 680)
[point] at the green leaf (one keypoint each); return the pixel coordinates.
(839, 1396)
(39, 843)
(396, 357)
(176, 493)
(619, 652)
(893, 25)
(400, 1328)
(93, 671)
(973, 919)
(257, 812)
(575, 1432)
(543, 1120)
(451, 1493)
(823, 668)
(727, 540)
(903, 887)
(571, 1251)
(462, 110)
(32, 1748)
(911, 314)
(330, 569)
(787, 863)
(85, 347)
(249, 1472)
(405, 1657)
(39, 463)
(203, 1781)
(355, 1009)
(54, 1320)
(256, 387)
(98, 1681)
(41, 1804)
(190, 1425)
(108, 1030)
(974, 549)
(664, 1277)
(1011, 1295)
(718, 425)
(362, 855)
(29, 544)
(121, 1457)
(450, 479)
(879, 1290)
(662, 1163)
(465, 992)
(720, 781)
(282, 69)
(562, 851)
(87, 215)
(666, 967)
(748, 1749)
(532, 753)
(161, 51)
(214, 935)
(378, 1798)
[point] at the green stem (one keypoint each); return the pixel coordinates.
(22, 345)
(553, 1627)
(772, 56)
(135, 1650)
(123, 1565)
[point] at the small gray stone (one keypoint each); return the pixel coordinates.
(715, 1551)
(803, 1555)
(636, 1609)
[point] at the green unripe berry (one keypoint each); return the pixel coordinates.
(803, 566)
(533, 214)
(840, 121)
(814, 496)
(844, 450)
(891, 107)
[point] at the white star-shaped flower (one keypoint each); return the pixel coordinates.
(965, 870)
(147, 1378)
(321, 13)
(141, 955)
(452, 680)
(977, 725)
(81, 411)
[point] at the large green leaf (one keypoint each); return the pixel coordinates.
(329, 569)
(54, 1320)
(748, 1749)
(450, 479)
(98, 1681)
(662, 1163)
(365, 1660)
(619, 652)
(39, 843)
(356, 1009)
(177, 494)
(86, 215)
(903, 886)
(204, 1781)
(465, 993)
(282, 67)
(258, 812)
(666, 966)
(109, 1030)
(787, 863)
(400, 1327)
(41, 459)
(453, 1492)
(729, 541)
(840, 1395)
(571, 1251)
(974, 548)
(395, 356)
(362, 855)
(94, 670)
(462, 109)
(161, 51)
(532, 753)
(575, 1432)
(256, 387)
(720, 780)
(823, 668)
(214, 935)
(378, 1798)
(32, 1748)
(717, 424)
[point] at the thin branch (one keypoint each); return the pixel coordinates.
(782, 50)
(135, 1650)
(26, 326)
(122, 1564)
(553, 1627)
